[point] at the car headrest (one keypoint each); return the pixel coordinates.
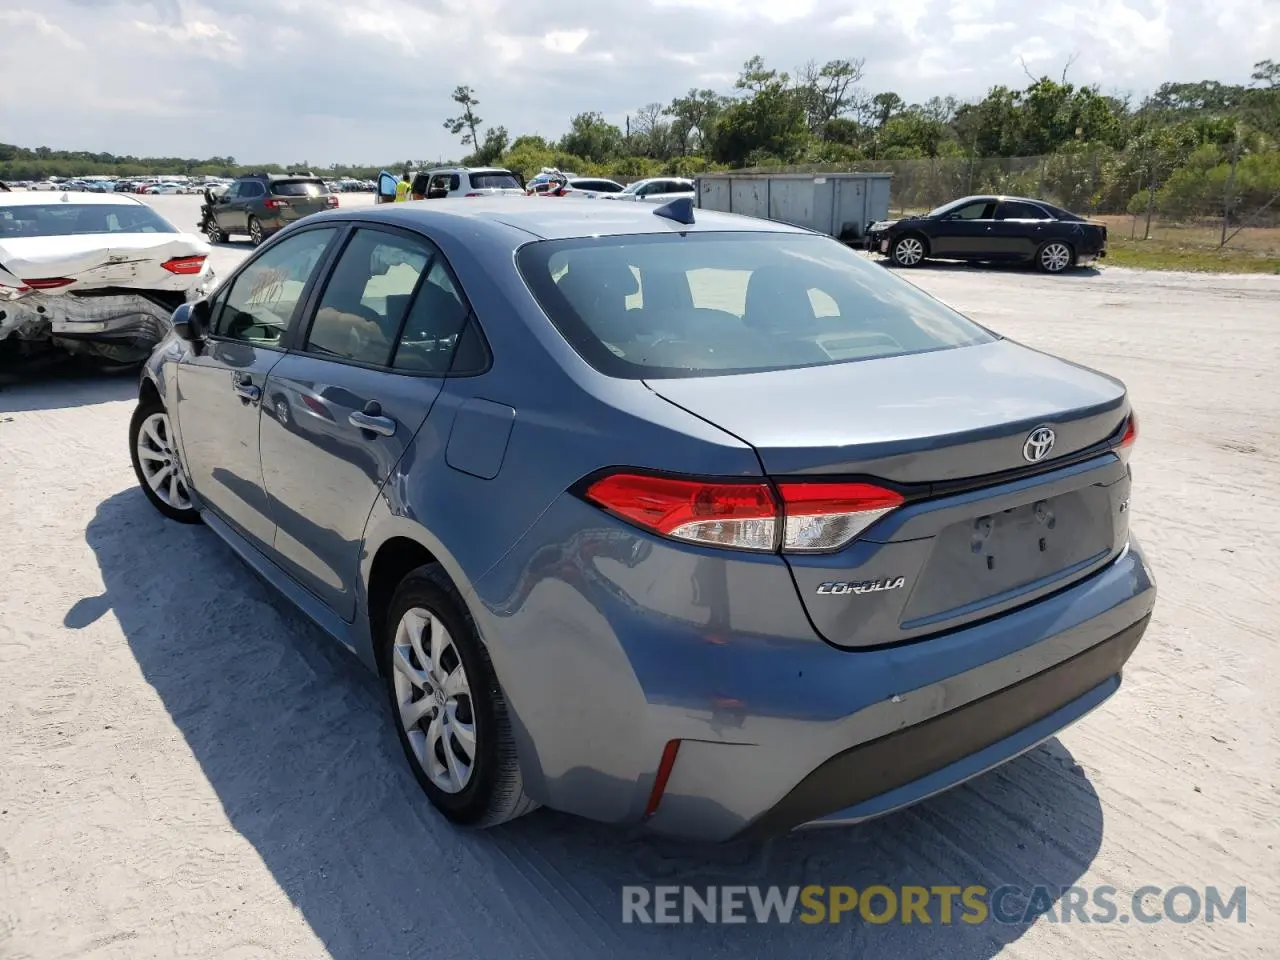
(777, 298)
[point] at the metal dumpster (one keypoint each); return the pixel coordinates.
(838, 204)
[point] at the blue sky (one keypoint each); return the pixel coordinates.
(325, 81)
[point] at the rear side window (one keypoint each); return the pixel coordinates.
(718, 303)
(494, 181)
(298, 188)
(434, 326)
(367, 297)
(1014, 210)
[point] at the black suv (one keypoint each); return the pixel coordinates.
(262, 203)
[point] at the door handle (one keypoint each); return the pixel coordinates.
(382, 426)
(372, 419)
(246, 390)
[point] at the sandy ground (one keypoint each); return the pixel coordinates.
(188, 769)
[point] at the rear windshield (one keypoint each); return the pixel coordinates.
(1060, 213)
(494, 181)
(298, 188)
(718, 303)
(76, 219)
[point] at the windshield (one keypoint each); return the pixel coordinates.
(643, 307)
(494, 181)
(953, 205)
(298, 188)
(78, 219)
(633, 187)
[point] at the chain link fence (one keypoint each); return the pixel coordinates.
(1208, 188)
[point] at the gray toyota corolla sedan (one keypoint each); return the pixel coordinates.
(656, 514)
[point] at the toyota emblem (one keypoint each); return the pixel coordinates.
(1038, 444)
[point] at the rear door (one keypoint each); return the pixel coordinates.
(220, 389)
(1019, 229)
(343, 406)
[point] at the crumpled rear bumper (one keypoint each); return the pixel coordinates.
(122, 326)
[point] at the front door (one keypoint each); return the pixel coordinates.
(220, 389)
(229, 210)
(343, 406)
(962, 233)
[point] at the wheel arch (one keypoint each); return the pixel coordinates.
(396, 558)
(148, 391)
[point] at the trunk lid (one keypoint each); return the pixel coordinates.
(983, 529)
(120, 259)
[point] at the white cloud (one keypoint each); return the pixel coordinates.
(564, 41)
(18, 21)
(370, 81)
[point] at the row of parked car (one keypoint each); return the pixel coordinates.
(452, 182)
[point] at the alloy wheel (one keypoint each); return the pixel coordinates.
(1055, 257)
(159, 462)
(433, 700)
(255, 232)
(909, 251)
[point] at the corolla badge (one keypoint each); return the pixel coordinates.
(1038, 444)
(840, 587)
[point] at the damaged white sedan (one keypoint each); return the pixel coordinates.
(96, 276)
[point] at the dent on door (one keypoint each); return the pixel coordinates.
(323, 464)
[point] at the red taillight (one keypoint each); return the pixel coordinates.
(665, 766)
(184, 266)
(474, 195)
(717, 513)
(332, 201)
(813, 517)
(825, 516)
(273, 204)
(1125, 447)
(49, 283)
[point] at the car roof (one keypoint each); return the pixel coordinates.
(555, 221)
(468, 170)
(988, 197)
(27, 199)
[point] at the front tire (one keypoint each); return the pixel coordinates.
(215, 233)
(448, 707)
(908, 251)
(156, 463)
(255, 231)
(1055, 257)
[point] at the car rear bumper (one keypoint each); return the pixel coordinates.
(907, 766)
(605, 660)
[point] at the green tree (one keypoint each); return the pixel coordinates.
(467, 120)
(593, 138)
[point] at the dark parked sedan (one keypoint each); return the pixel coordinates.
(992, 229)
(708, 525)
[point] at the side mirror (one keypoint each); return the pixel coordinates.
(191, 320)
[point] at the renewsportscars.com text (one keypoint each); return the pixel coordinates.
(937, 904)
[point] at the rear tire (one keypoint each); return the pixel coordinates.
(908, 251)
(1055, 256)
(255, 231)
(156, 463)
(444, 697)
